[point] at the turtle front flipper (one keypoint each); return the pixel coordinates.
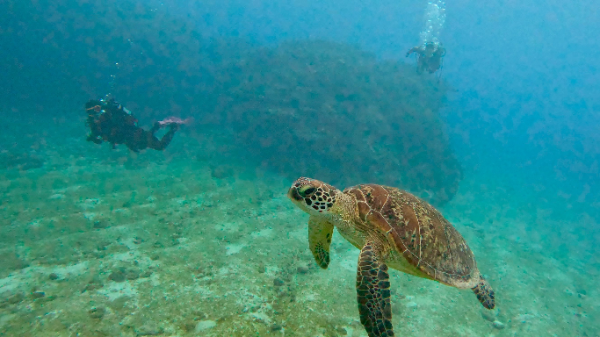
(485, 293)
(319, 239)
(373, 288)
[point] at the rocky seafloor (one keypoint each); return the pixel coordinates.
(180, 248)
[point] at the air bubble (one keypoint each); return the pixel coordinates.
(435, 19)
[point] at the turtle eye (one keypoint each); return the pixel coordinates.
(307, 190)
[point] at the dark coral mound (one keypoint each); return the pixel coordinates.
(333, 112)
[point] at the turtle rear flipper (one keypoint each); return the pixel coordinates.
(319, 239)
(373, 289)
(485, 294)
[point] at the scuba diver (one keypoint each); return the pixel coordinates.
(111, 122)
(429, 57)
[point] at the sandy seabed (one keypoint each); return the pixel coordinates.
(183, 249)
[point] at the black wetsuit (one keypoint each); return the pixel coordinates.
(109, 121)
(429, 58)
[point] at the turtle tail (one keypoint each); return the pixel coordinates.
(485, 293)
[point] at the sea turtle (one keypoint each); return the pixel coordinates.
(391, 228)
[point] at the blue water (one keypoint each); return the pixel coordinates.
(201, 240)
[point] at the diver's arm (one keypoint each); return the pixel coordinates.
(414, 50)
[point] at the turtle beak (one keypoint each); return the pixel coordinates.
(293, 194)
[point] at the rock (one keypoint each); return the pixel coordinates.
(276, 327)
(38, 294)
(117, 276)
(149, 329)
(155, 257)
(411, 304)
(101, 224)
(132, 274)
(94, 283)
(119, 303)
(53, 277)
(16, 298)
(205, 325)
(490, 315)
(342, 331)
(302, 270)
(498, 325)
(189, 326)
(278, 282)
(262, 269)
(47, 298)
(97, 312)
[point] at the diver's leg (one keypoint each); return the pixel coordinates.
(137, 140)
(161, 144)
(132, 147)
(421, 65)
(155, 127)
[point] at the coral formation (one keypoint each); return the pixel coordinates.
(336, 112)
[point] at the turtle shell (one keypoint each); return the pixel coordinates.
(417, 231)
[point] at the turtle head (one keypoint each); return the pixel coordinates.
(313, 196)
